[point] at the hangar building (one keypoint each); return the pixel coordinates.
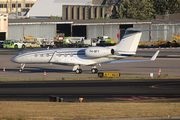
(49, 28)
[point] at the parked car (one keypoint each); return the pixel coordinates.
(1, 44)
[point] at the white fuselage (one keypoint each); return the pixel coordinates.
(69, 56)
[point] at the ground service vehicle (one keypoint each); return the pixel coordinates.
(105, 41)
(13, 44)
(31, 42)
(44, 43)
(1, 44)
(90, 42)
(61, 41)
(76, 39)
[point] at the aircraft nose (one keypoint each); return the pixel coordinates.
(13, 59)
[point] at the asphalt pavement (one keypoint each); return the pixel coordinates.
(91, 90)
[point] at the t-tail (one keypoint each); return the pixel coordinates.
(129, 41)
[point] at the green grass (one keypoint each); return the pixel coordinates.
(166, 76)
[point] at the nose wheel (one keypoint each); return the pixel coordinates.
(78, 71)
(21, 70)
(94, 70)
(22, 67)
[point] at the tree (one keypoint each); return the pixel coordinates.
(131, 9)
(160, 6)
(139, 9)
(174, 6)
(145, 10)
(121, 11)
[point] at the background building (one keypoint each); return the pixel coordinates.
(12, 4)
(3, 26)
(84, 12)
(77, 9)
(49, 28)
(168, 16)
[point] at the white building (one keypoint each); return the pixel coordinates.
(3, 26)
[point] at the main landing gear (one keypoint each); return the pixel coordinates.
(79, 70)
(94, 70)
(22, 67)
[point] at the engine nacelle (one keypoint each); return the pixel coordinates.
(95, 52)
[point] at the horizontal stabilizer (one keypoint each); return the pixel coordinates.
(125, 61)
(154, 56)
(156, 30)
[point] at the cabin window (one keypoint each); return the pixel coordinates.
(47, 55)
(35, 55)
(41, 55)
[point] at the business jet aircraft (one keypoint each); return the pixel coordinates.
(90, 56)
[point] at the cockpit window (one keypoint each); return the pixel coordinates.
(19, 53)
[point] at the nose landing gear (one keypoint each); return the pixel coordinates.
(22, 67)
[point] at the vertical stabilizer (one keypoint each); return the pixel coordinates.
(130, 40)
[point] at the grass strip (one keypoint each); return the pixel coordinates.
(92, 78)
(55, 110)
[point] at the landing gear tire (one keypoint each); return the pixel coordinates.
(23, 46)
(78, 71)
(21, 70)
(94, 70)
(16, 46)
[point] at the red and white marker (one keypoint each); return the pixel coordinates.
(4, 69)
(159, 73)
(44, 73)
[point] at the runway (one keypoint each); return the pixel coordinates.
(90, 90)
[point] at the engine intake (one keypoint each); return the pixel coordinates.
(95, 52)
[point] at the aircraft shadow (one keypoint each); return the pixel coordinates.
(40, 70)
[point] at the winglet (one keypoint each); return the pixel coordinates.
(154, 56)
(53, 58)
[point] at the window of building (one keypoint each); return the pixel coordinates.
(19, 5)
(13, 5)
(1, 5)
(4, 19)
(32, 4)
(27, 5)
(5, 5)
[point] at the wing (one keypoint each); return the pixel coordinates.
(125, 61)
